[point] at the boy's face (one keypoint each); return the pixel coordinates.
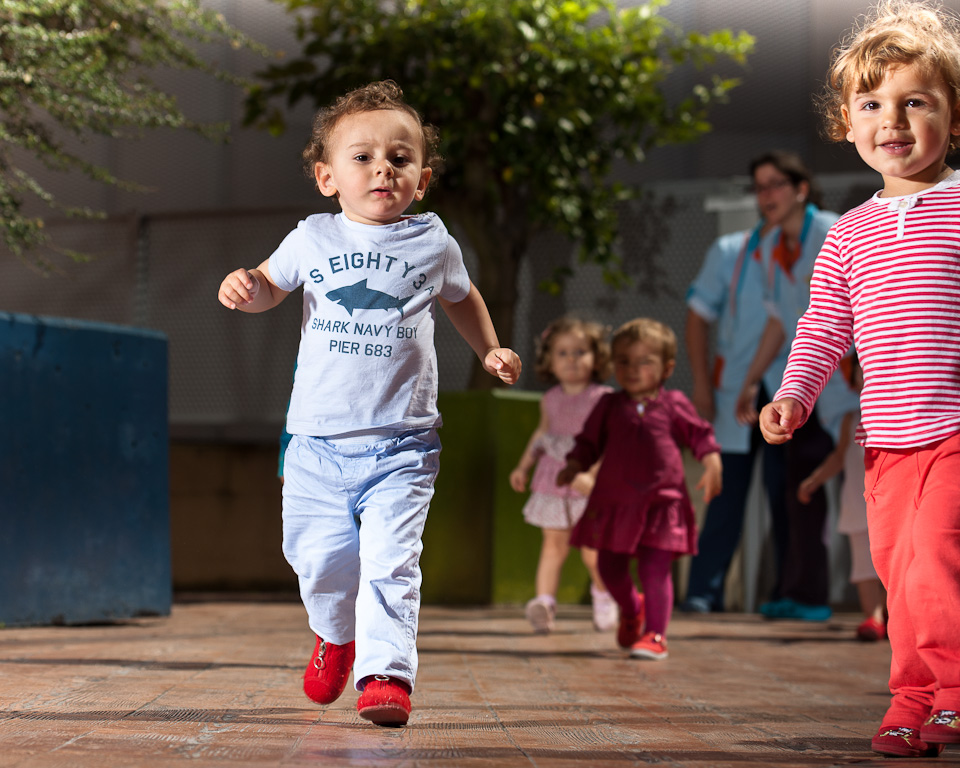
(374, 165)
(902, 128)
(639, 368)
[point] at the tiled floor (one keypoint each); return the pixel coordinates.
(217, 684)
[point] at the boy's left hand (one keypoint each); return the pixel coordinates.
(504, 364)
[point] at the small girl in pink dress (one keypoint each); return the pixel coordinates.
(639, 507)
(574, 354)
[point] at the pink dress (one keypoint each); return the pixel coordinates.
(641, 498)
(549, 505)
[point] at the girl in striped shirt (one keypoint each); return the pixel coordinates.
(888, 278)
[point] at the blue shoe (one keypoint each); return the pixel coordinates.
(695, 604)
(785, 608)
(777, 609)
(807, 612)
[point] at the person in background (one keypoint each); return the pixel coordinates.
(573, 354)
(639, 507)
(727, 293)
(847, 458)
(788, 261)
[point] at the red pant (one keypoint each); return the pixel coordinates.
(913, 515)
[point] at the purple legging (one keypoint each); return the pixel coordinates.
(654, 572)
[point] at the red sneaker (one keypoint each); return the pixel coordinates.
(942, 727)
(630, 628)
(328, 671)
(903, 742)
(385, 701)
(652, 646)
(872, 630)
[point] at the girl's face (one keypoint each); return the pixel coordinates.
(640, 369)
(572, 359)
(777, 196)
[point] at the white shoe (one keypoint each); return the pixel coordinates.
(606, 613)
(540, 613)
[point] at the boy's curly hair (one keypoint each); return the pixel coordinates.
(895, 33)
(385, 94)
(651, 332)
(594, 333)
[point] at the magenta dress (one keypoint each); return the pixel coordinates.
(640, 498)
(551, 505)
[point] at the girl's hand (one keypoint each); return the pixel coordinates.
(238, 289)
(583, 483)
(807, 488)
(780, 419)
(504, 364)
(711, 481)
(831, 467)
(518, 480)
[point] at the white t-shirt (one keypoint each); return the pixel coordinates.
(367, 361)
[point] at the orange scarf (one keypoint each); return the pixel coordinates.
(786, 257)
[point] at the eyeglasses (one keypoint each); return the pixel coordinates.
(757, 189)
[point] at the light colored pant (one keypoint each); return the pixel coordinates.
(353, 517)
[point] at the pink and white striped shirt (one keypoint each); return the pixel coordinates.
(888, 276)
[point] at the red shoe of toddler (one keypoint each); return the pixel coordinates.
(871, 630)
(652, 646)
(328, 671)
(942, 727)
(630, 628)
(385, 701)
(903, 742)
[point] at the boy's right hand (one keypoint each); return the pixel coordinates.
(780, 419)
(238, 288)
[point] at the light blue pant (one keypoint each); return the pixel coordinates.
(353, 517)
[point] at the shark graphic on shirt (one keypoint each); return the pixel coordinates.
(358, 296)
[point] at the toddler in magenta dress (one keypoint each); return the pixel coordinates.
(575, 355)
(639, 507)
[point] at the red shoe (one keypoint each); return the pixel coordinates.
(903, 742)
(872, 630)
(328, 671)
(652, 646)
(942, 727)
(385, 701)
(630, 628)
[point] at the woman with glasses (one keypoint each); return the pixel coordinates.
(728, 295)
(789, 201)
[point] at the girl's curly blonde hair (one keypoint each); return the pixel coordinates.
(385, 94)
(594, 333)
(895, 33)
(653, 333)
